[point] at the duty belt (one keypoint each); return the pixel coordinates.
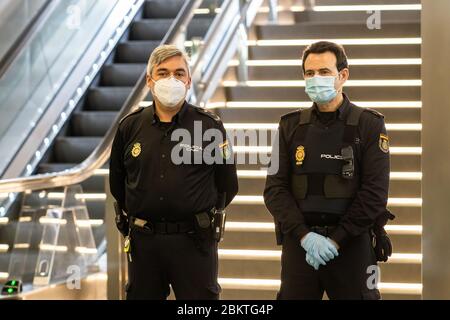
(161, 227)
(322, 230)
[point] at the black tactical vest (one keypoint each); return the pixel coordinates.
(319, 183)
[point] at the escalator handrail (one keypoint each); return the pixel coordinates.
(101, 153)
(23, 39)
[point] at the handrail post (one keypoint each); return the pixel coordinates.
(242, 71)
(273, 11)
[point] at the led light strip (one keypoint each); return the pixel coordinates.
(262, 174)
(301, 83)
(275, 255)
(351, 62)
(394, 202)
(274, 126)
(85, 250)
(263, 227)
(4, 248)
(83, 196)
(360, 41)
(4, 275)
(308, 104)
(49, 247)
(46, 220)
(4, 221)
(268, 149)
(274, 285)
(387, 7)
(345, 42)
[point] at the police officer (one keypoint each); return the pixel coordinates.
(167, 187)
(329, 194)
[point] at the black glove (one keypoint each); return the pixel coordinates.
(121, 219)
(382, 245)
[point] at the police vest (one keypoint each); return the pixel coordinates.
(318, 183)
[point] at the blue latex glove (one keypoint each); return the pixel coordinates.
(313, 262)
(319, 248)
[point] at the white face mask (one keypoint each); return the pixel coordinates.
(170, 91)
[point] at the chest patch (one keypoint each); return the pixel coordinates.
(300, 155)
(136, 151)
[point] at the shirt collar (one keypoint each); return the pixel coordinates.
(342, 111)
(177, 118)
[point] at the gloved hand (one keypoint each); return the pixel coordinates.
(383, 245)
(313, 262)
(319, 248)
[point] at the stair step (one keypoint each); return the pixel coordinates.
(343, 30)
(259, 213)
(273, 115)
(401, 51)
(247, 240)
(259, 269)
(369, 93)
(397, 189)
(374, 72)
(357, 16)
(91, 123)
(122, 74)
(135, 51)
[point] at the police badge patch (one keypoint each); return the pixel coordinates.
(225, 150)
(137, 149)
(384, 143)
(300, 155)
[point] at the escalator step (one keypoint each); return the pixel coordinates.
(122, 75)
(135, 51)
(151, 29)
(93, 124)
(156, 29)
(165, 9)
(74, 149)
(107, 98)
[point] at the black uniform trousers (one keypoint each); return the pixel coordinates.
(160, 260)
(344, 277)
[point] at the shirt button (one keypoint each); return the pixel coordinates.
(161, 199)
(163, 156)
(162, 176)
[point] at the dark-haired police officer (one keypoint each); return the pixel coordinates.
(168, 201)
(329, 195)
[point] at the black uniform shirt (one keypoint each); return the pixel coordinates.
(374, 169)
(145, 181)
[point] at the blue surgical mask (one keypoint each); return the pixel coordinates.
(321, 89)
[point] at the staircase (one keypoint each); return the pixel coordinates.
(384, 75)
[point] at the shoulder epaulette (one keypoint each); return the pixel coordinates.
(375, 113)
(208, 113)
(292, 113)
(134, 112)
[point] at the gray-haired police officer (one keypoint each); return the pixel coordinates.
(169, 205)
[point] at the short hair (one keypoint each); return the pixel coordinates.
(162, 53)
(326, 46)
